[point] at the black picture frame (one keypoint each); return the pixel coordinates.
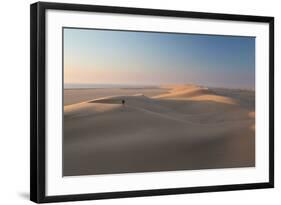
(38, 97)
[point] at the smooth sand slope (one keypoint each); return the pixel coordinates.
(171, 128)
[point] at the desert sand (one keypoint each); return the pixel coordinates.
(165, 128)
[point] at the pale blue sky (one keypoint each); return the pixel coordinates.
(125, 57)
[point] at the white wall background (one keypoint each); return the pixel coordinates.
(14, 101)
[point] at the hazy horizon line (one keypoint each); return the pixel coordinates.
(137, 85)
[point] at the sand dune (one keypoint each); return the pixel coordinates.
(185, 91)
(196, 93)
(187, 127)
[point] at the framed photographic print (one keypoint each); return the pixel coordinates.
(129, 102)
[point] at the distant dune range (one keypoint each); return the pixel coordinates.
(168, 128)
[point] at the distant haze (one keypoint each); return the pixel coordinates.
(74, 86)
(105, 57)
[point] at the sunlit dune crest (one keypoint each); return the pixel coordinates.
(195, 93)
(185, 92)
(87, 108)
(214, 98)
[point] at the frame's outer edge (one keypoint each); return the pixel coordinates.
(37, 102)
(154, 12)
(33, 104)
(271, 102)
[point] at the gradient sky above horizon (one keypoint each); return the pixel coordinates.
(148, 58)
